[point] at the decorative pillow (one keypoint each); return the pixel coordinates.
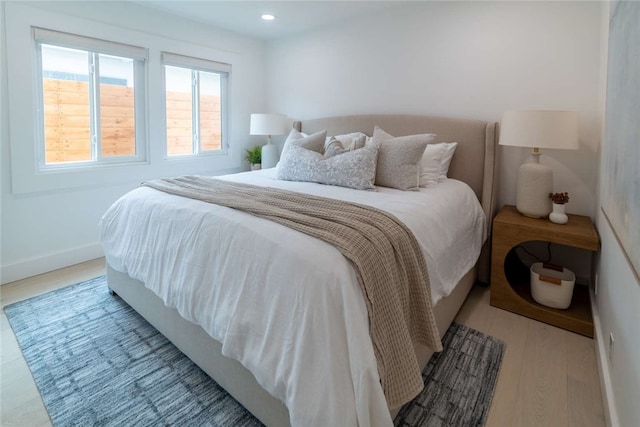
(399, 159)
(334, 148)
(430, 165)
(353, 169)
(447, 155)
(358, 142)
(314, 142)
(435, 163)
(350, 141)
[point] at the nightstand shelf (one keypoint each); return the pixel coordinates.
(510, 288)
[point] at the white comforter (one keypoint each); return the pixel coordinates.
(286, 305)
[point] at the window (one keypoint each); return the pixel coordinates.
(196, 93)
(92, 101)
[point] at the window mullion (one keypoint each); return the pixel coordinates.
(195, 108)
(42, 148)
(140, 112)
(224, 110)
(94, 108)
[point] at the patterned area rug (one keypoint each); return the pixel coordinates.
(458, 382)
(97, 362)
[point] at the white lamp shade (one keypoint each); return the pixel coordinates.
(541, 129)
(268, 124)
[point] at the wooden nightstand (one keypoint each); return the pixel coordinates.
(510, 288)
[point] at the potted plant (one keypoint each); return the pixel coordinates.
(559, 200)
(254, 157)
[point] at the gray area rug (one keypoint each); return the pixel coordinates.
(97, 362)
(458, 382)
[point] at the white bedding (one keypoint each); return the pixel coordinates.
(287, 306)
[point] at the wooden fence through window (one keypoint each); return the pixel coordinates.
(68, 129)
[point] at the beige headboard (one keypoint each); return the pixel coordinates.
(474, 162)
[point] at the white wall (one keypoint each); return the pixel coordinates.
(43, 231)
(618, 313)
(617, 308)
(461, 59)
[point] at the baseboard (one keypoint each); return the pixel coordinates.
(44, 264)
(606, 388)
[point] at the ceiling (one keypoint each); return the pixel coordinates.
(292, 17)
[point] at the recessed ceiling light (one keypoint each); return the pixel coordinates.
(268, 17)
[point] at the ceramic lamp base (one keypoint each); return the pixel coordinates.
(270, 155)
(535, 183)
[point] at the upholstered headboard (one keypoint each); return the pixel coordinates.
(474, 161)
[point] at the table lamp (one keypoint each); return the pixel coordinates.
(537, 129)
(268, 124)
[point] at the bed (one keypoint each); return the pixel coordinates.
(474, 164)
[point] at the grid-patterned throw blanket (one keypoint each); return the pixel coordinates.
(391, 269)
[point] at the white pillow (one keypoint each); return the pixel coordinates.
(447, 155)
(430, 165)
(435, 163)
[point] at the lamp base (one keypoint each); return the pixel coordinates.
(270, 155)
(535, 183)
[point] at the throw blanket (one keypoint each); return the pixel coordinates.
(389, 264)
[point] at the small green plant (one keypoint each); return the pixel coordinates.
(254, 155)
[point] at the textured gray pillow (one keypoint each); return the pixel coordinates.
(353, 169)
(313, 142)
(399, 159)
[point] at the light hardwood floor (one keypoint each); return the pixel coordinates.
(548, 375)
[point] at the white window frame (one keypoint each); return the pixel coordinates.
(94, 47)
(26, 180)
(198, 64)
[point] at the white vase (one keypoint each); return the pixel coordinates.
(558, 215)
(256, 166)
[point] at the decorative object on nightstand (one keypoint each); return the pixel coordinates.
(538, 129)
(254, 157)
(558, 200)
(269, 124)
(552, 285)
